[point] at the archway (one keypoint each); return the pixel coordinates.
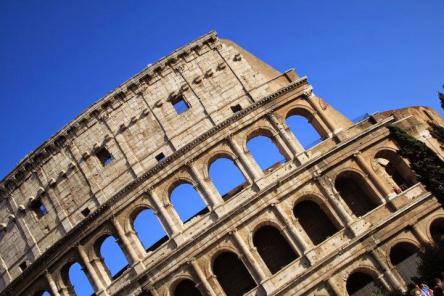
(265, 152)
(304, 128)
(404, 256)
(273, 248)
(186, 288)
(362, 284)
(149, 230)
(113, 257)
(232, 274)
(437, 230)
(396, 169)
(79, 280)
(314, 221)
(356, 193)
(226, 177)
(187, 202)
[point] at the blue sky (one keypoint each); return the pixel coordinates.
(58, 57)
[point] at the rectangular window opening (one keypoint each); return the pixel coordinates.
(180, 105)
(160, 156)
(236, 108)
(85, 212)
(39, 208)
(104, 156)
(23, 266)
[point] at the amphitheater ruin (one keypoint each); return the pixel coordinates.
(345, 216)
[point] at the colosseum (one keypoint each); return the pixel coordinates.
(345, 216)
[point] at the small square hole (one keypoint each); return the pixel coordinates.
(160, 156)
(236, 108)
(180, 105)
(23, 265)
(39, 208)
(104, 156)
(85, 212)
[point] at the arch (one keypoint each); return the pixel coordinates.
(361, 283)
(273, 248)
(79, 280)
(356, 193)
(264, 151)
(187, 201)
(226, 176)
(437, 230)
(112, 256)
(404, 256)
(314, 221)
(305, 127)
(186, 287)
(396, 168)
(149, 230)
(232, 274)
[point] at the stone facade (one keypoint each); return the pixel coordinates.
(130, 149)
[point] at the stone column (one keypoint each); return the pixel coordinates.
(52, 285)
(129, 250)
(393, 281)
(98, 281)
(209, 194)
(308, 94)
(258, 273)
(334, 287)
(334, 199)
(420, 235)
(294, 146)
(202, 278)
(172, 226)
(253, 170)
(373, 176)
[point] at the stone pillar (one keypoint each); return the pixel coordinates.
(294, 146)
(128, 248)
(253, 170)
(334, 199)
(52, 285)
(334, 287)
(325, 119)
(393, 281)
(171, 226)
(209, 193)
(258, 273)
(136, 243)
(420, 235)
(98, 281)
(373, 176)
(202, 278)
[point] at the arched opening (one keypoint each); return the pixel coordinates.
(437, 230)
(186, 288)
(232, 274)
(362, 284)
(149, 230)
(356, 193)
(113, 257)
(314, 221)
(404, 256)
(79, 281)
(187, 202)
(304, 129)
(396, 169)
(226, 176)
(273, 248)
(265, 152)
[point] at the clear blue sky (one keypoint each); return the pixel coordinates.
(58, 57)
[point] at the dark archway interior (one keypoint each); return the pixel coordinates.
(356, 194)
(357, 281)
(315, 222)
(396, 168)
(186, 288)
(273, 248)
(437, 230)
(232, 274)
(401, 252)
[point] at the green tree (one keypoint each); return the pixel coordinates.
(428, 167)
(441, 98)
(432, 262)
